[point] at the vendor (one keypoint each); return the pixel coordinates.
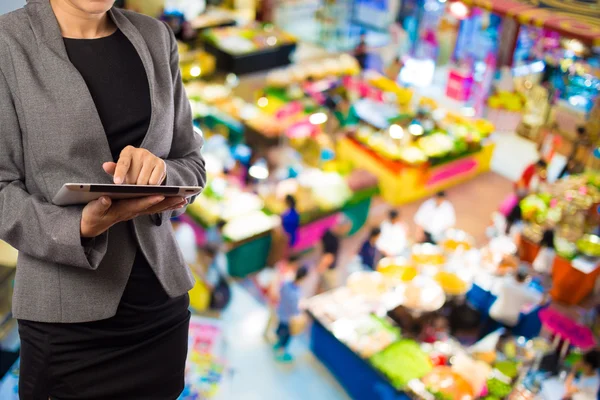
(512, 295)
(581, 384)
(435, 217)
(328, 262)
(534, 175)
(290, 220)
(394, 235)
(545, 258)
(368, 252)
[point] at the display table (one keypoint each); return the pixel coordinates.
(250, 255)
(401, 184)
(529, 325)
(358, 378)
(569, 284)
(259, 60)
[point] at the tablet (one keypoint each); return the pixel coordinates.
(83, 193)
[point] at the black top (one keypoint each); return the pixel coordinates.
(117, 81)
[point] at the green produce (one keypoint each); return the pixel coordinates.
(497, 388)
(508, 368)
(402, 362)
(589, 245)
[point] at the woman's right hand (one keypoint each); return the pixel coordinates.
(99, 215)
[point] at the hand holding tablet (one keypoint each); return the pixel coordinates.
(138, 175)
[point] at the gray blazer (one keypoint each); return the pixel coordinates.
(51, 134)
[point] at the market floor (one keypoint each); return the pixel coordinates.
(253, 372)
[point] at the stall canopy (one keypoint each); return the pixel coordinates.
(577, 19)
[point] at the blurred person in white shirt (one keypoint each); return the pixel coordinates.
(394, 235)
(512, 295)
(434, 218)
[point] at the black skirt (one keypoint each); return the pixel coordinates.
(139, 353)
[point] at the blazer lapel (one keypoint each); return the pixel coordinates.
(50, 41)
(134, 36)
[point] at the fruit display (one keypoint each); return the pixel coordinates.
(510, 101)
(445, 381)
(422, 294)
(314, 190)
(249, 225)
(366, 283)
(244, 40)
(508, 368)
(329, 67)
(367, 335)
(402, 362)
(563, 206)
(397, 270)
(498, 389)
(589, 245)
(452, 284)
(436, 145)
(455, 240)
(427, 254)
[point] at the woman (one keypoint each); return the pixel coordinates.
(91, 93)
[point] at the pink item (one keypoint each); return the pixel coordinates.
(311, 234)
(289, 110)
(452, 170)
(302, 129)
(508, 204)
(459, 85)
(564, 327)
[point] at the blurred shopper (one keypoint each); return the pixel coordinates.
(545, 258)
(393, 70)
(328, 261)
(361, 52)
(394, 235)
(290, 220)
(434, 218)
(583, 383)
(284, 272)
(512, 296)
(368, 252)
(287, 310)
(213, 278)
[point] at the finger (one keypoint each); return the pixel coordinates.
(109, 167)
(137, 163)
(159, 174)
(100, 207)
(165, 205)
(123, 165)
(159, 210)
(143, 177)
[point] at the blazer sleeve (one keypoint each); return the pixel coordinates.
(27, 222)
(185, 164)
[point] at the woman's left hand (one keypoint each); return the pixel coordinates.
(137, 167)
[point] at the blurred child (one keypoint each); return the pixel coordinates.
(287, 310)
(285, 271)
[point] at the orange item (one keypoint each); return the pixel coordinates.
(448, 383)
(569, 285)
